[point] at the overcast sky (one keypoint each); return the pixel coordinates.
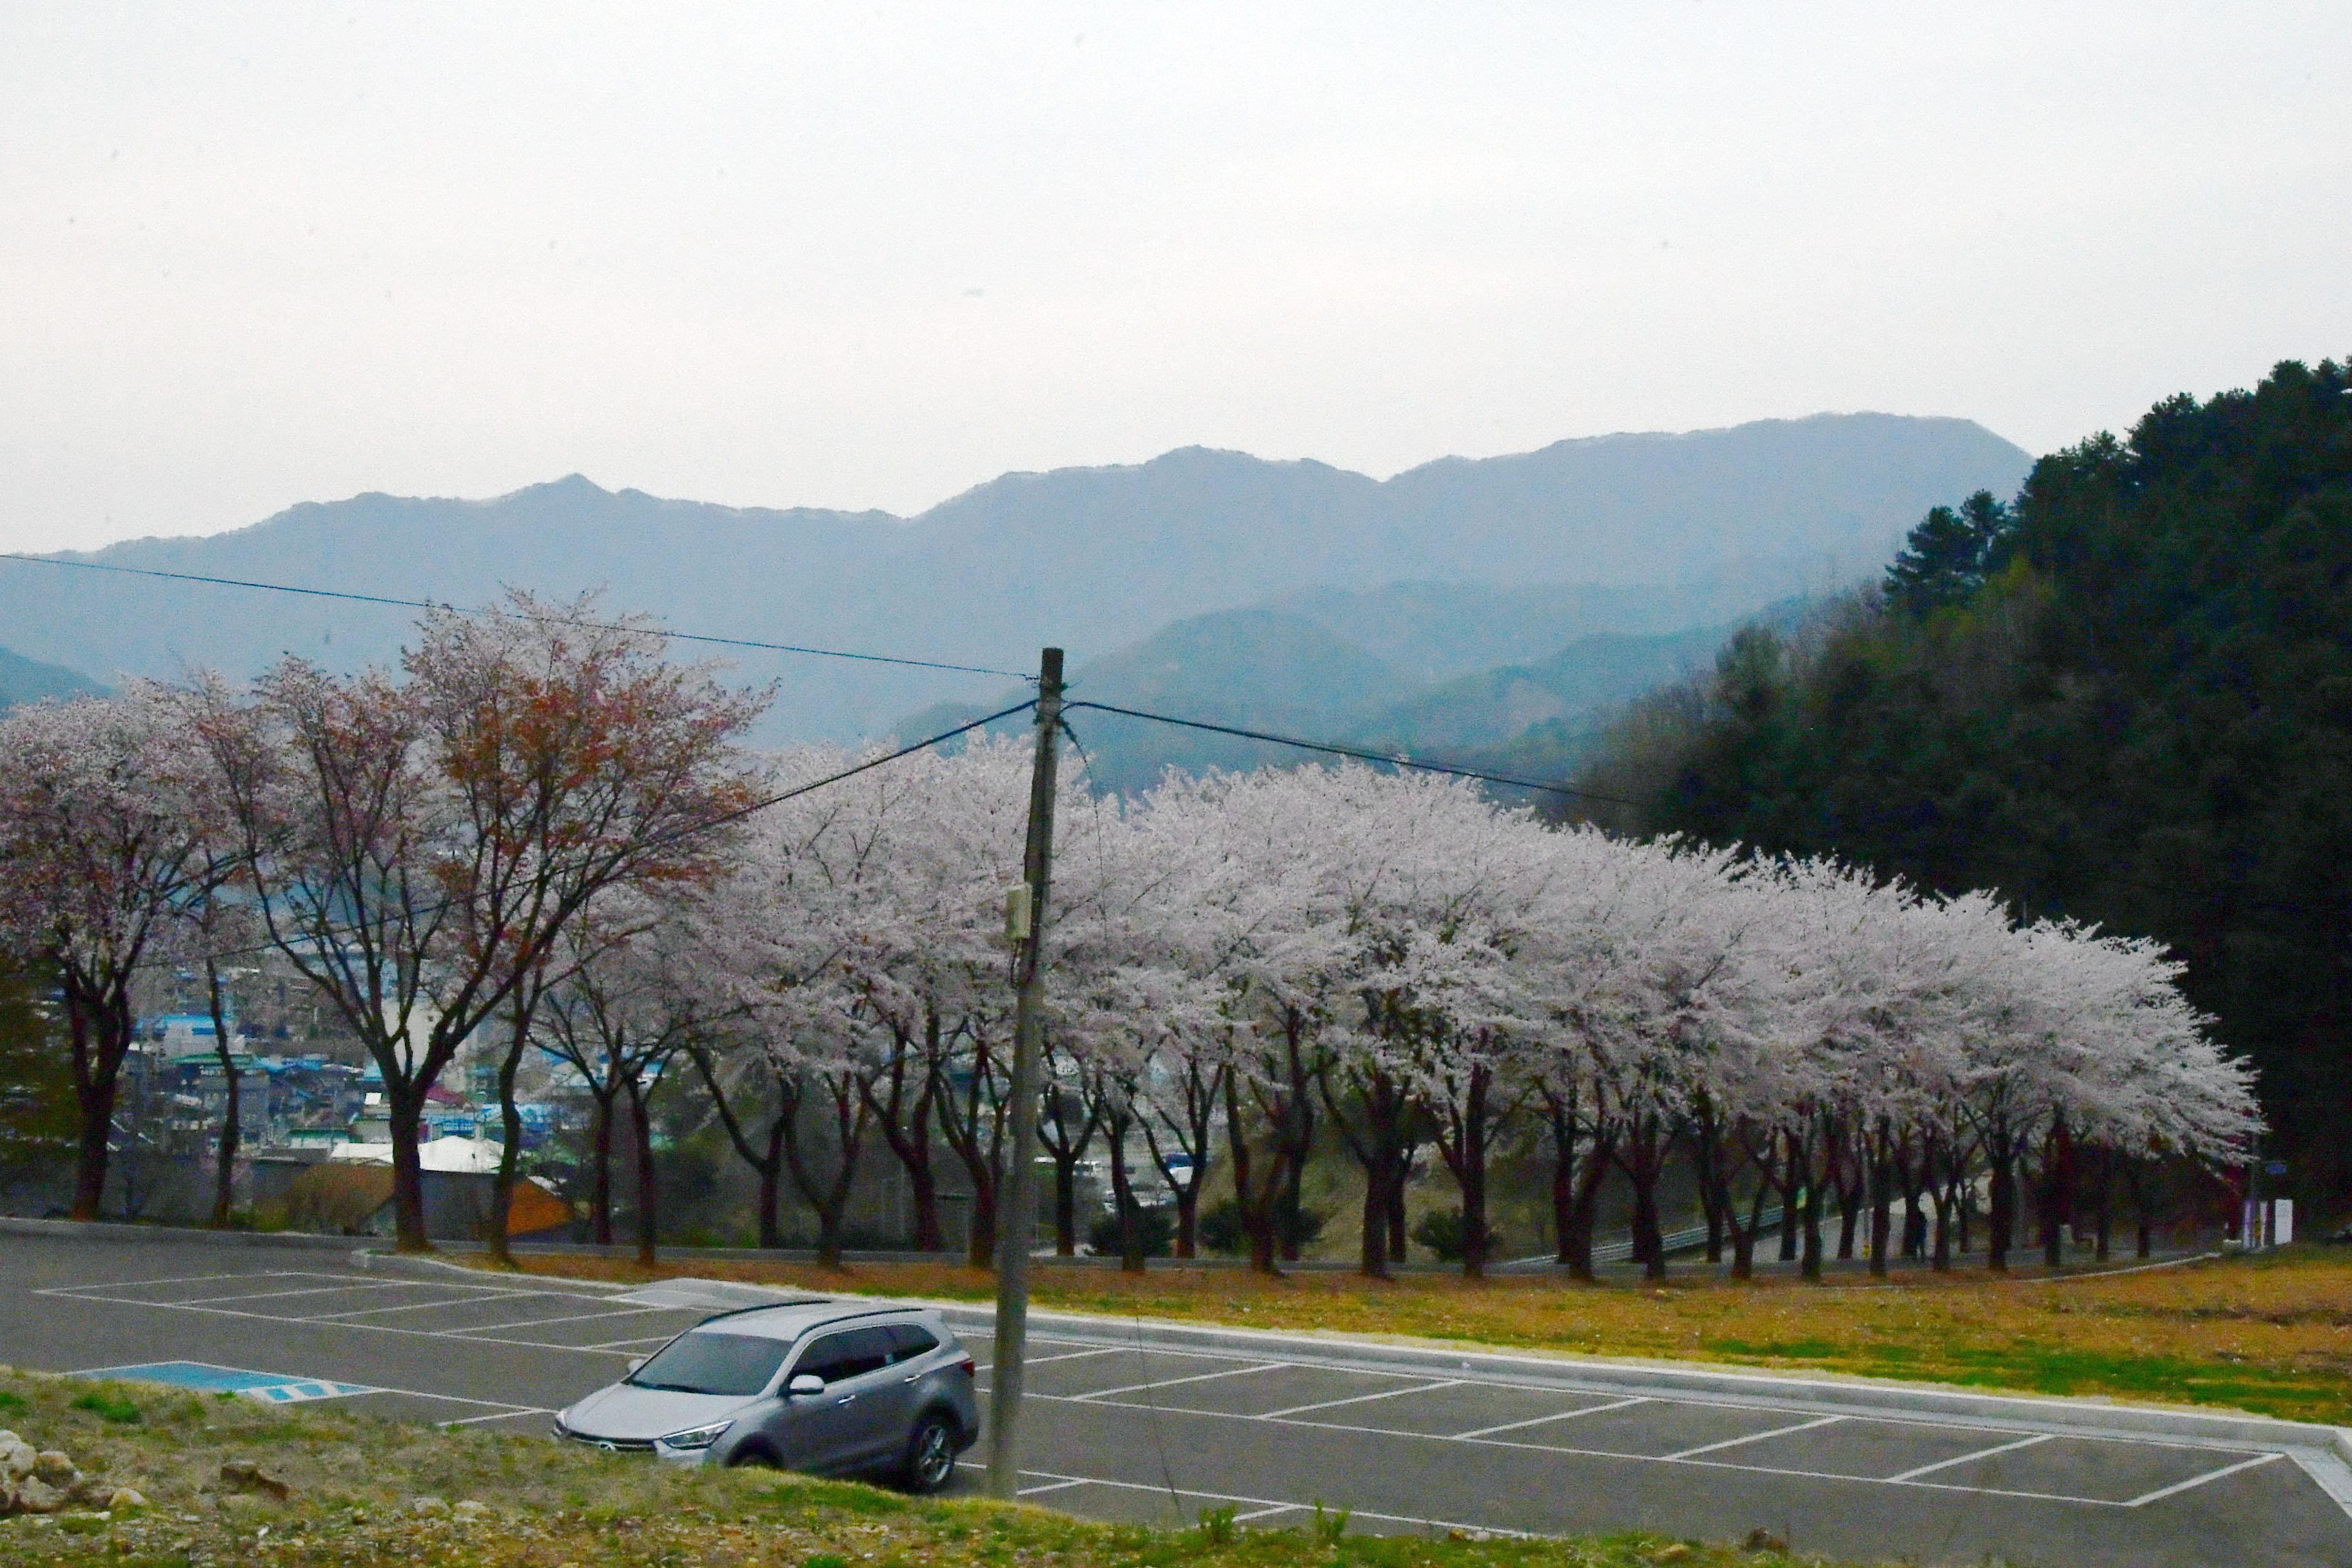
(854, 256)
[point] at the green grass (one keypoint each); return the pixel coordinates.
(108, 1407)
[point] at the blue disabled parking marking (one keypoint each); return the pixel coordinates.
(273, 1387)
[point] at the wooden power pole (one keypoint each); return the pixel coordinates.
(1016, 1220)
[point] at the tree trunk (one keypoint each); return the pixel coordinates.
(1882, 1202)
(100, 1028)
(1585, 1208)
(600, 1184)
(1123, 1193)
(1464, 1129)
(772, 1189)
(2057, 1192)
(406, 1103)
(495, 1223)
(1642, 1159)
(2001, 1196)
(1714, 1197)
(907, 1130)
(1846, 1180)
(1792, 1185)
(224, 1164)
(1399, 1176)
(1257, 1185)
(2102, 1202)
(1372, 1253)
(1065, 1208)
(648, 1198)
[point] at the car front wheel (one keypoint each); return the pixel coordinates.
(930, 1454)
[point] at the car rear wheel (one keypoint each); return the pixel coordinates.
(930, 1454)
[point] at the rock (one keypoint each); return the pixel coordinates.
(125, 1498)
(16, 1456)
(34, 1496)
(470, 1508)
(246, 1476)
(1762, 1539)
(51, 1465)
(92, 1490)
(429, 1508)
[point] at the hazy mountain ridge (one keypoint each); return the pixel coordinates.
(1277, 673)
(1087, 558)
(25, 679)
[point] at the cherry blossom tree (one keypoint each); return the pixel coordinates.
(109, 829)
(416, 846)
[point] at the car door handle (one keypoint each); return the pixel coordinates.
(847, 1399)
(912, 1378)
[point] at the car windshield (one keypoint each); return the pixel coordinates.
(701, 1363)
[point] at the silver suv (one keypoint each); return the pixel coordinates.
(831, 1387)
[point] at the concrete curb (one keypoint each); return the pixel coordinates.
(138, 1235)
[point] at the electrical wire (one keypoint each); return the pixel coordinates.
(568, 621)
(1361, 754)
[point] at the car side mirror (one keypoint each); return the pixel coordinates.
(637, 1361)
(805, 1382)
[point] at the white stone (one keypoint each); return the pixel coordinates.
(16, 1456)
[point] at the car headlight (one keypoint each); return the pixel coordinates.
(696, 1438)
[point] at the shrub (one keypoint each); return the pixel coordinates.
(1156, 1229)
(1221, 1227)
(1440, 1230)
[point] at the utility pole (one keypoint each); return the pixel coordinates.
(1017, 1215)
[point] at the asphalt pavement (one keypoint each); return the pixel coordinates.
(1126, 1424)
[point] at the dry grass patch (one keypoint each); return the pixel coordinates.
(2271, 1335)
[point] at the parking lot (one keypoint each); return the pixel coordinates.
(1126, 1430)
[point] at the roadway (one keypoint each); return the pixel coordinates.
(1120, 1428)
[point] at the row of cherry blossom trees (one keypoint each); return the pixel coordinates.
(1243, 963)
(539, 834)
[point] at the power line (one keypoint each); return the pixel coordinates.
(1357, 752)
(429, 605)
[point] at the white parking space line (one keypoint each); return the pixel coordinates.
(168, 1280)
(465, 1332)
(1540, 1420)
(1271, 1505)
(617, 1347)
(1914, 1475)
(1049, 1486)
(1172, 1381)
(416, 1306)
(501, 1416)
(1040, 1360)
(342, 1323)
(1702, 1462)
(1363, 1398)
(307, 1290)
(1752, 1437)
(2193, 1482)
(1263, 1512)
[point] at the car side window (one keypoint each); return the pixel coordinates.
(908, 1340)
(852, 1353)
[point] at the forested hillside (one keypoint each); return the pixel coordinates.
(2125, 697)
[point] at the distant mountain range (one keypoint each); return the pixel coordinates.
(25, 679)
(1446, 570)
(1280, 673)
